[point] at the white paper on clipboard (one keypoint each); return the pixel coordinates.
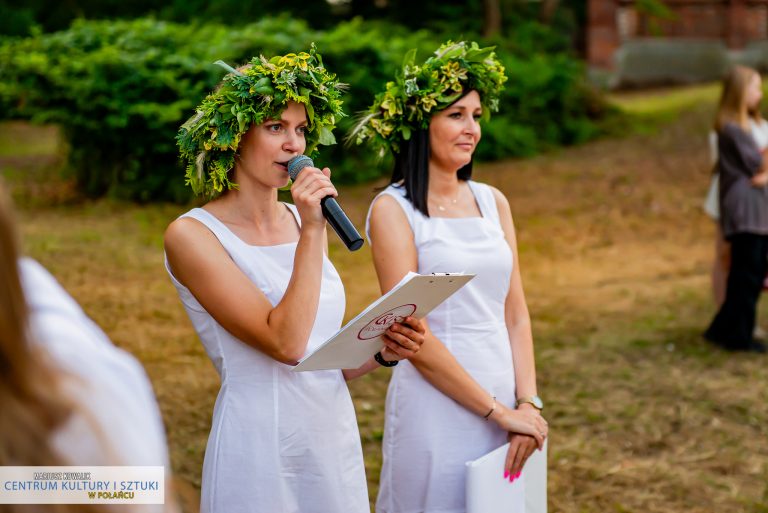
(489, 492)
(416, 295)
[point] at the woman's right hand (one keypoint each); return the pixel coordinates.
(311, 186)
(525, 421)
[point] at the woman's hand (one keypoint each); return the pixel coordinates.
(524, 421)
(520, 449)
(311, 186)
(403, 339)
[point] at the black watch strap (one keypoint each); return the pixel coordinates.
(381, 361)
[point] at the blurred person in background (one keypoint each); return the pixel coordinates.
(743, 206)
(758, 129)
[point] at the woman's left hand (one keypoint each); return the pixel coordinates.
(520, 449)
(403, 339)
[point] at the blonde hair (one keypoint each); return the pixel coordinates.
(733, 105)
(33, 403)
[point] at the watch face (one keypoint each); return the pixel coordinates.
(537, 402)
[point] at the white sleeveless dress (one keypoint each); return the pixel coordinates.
(281, 442)
(429, 437)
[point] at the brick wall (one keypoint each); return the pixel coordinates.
(734, 22)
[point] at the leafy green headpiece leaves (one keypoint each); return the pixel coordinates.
(418, 92)
(259, 91)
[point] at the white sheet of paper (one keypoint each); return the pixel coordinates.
(489, 492)
(416, 295)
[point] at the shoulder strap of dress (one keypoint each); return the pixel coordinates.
(294, 211)
(225, 237)
(219, 229)
(485, 200)
(399, 194)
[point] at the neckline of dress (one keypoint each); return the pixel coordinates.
(257, 246)
(477, 202)
(456, 218)
(470, 183)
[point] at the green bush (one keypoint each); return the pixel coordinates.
(120, 90)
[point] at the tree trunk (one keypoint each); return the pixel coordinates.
(492, 18)
(548, 8)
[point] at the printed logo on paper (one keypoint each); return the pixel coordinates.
(382, 323)
(82, 485)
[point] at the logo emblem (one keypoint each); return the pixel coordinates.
(382, 323)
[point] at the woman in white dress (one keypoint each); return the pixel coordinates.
(253, 275)
(758, 128)
(473, 385)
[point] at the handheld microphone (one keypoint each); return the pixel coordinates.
(331, 209)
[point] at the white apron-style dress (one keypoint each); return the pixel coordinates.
(281, 442)
(428, 437)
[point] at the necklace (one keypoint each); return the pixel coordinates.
(442, 208)
(451, 202)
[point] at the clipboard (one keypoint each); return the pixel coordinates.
(489, 492)
(416, 295)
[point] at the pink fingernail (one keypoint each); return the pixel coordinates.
(506, 474)
(518, 474)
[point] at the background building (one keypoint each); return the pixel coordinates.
(640, 42)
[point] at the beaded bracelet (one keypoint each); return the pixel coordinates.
(381, 361)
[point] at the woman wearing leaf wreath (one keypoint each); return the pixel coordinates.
(254, 277)
(473, 383)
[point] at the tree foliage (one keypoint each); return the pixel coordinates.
(465, 18)
(121, 89)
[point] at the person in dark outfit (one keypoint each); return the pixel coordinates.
(743, 212)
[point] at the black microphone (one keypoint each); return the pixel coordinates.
(331, 209)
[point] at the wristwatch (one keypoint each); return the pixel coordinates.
(533, 400)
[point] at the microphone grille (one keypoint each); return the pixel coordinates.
(297, 163)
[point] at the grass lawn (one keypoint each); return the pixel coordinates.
(615, 254)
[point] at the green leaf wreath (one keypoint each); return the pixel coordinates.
(259, 91)
(417, 92)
